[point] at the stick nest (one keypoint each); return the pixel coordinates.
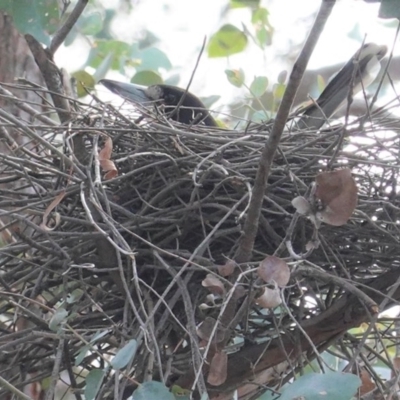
(173, 213)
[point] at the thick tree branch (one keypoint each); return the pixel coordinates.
(346, 313)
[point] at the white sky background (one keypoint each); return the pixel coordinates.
(182, 25)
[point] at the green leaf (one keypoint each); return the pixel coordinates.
(103, 68)
(260, 16)
(244, 3)
(99, 334)
(389, 9)
(321, 84)
(6, 5)
(38, 18)
(82, 352)
(146, 78)
(208, 101)
(147, 39)
(260, 116)
(49, 14)
(227, 41)
(259, 86)
(263, 36)
(282, 76)
(94, 380)
(27, 20)
(91, 24)
(120, 52)
(75, 296)
(173, 80)
(235, 76)
(329, 386)
(180, 393)
(269, 396)
(152, 59)
(58, 317)
(262, 27)
(73, 33)
(124, 355)
(152, 391)
(84, 82)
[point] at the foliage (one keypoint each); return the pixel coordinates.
(152, 391)
(312, 386)
(149, 63)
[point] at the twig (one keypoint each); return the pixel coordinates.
(4, 383)
(55, 375)
(251, 225)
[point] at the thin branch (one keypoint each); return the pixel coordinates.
(251, 225)
(62, 33)
(4, 383)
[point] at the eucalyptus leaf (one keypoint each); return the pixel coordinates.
(152, 390)
(259, 86)
(329, 386)
(58, 317)
(124, 355)
(227, 41)
(235, 76)
(389, 9)
(147, 78)
(93, 383)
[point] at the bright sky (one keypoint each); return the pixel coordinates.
(182, 25)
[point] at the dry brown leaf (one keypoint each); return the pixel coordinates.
(218, 369)
(106, 164)
(269, 299)
(367, 385)
(227, 269)
(239, 292)
(396, 365)
(205, 329)
(213, 284)
(337, 192)
(106, 151)
(274, 269)
(49, 209)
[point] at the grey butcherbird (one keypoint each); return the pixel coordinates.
(191, 110)
(359, 72)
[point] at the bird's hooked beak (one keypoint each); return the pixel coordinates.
(129, 91)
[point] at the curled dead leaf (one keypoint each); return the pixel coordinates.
(337, 192)
(218, 369)
(396, 366)
(227, 269)
(205, 329)
(301, 205)
(106, 164)
(269, 299)
(213, 284)
(274, 269)
(56, 216)
(239, 292)
(367, 385)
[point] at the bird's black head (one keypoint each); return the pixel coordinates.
(178, 104)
